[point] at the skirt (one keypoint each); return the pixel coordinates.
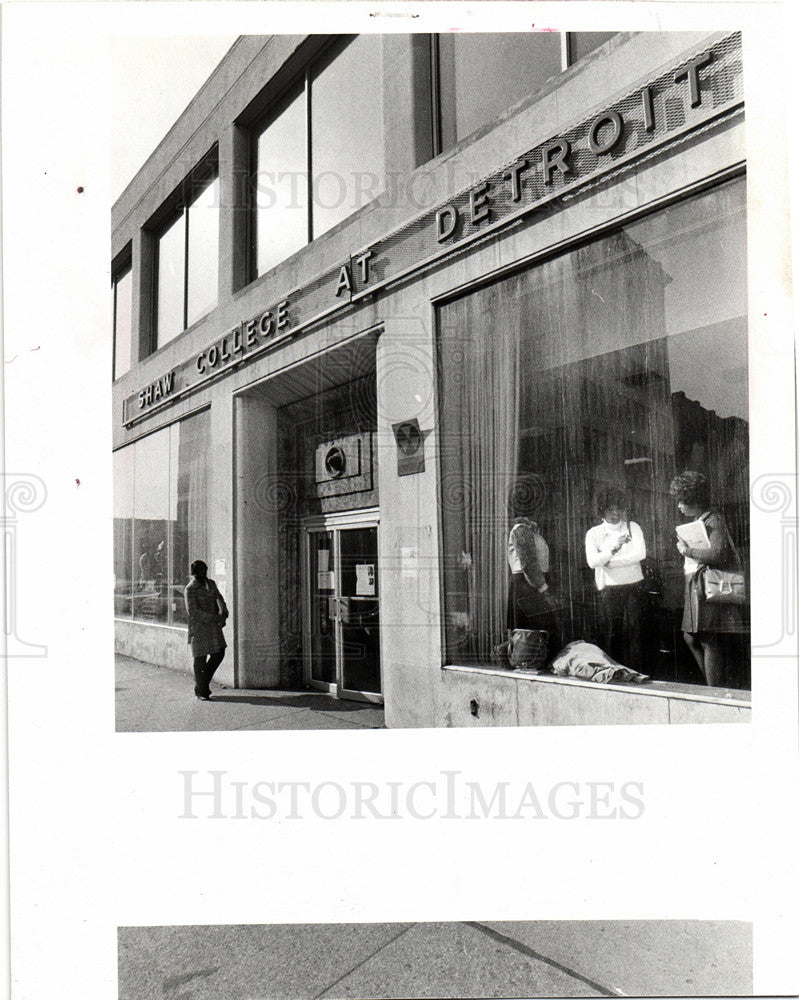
(701, 616)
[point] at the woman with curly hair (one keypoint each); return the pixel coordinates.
(706, 626)
(615, 549)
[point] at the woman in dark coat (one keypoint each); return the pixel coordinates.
(706, 625)
(207, 614)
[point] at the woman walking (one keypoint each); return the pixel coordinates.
(207, 614)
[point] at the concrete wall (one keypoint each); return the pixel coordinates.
(165, 646)
(257, 605)
(476, 698)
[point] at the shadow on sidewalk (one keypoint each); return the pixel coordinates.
(313, 702)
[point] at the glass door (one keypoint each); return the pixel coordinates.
(321, 588)
(343, 610)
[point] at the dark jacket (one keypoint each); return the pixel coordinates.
(207, 613)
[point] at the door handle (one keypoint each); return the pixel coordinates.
(339, 609)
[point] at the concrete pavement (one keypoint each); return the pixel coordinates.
(429, 960)
(155, 699)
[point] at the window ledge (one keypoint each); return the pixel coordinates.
(138, 621)
(657, 689)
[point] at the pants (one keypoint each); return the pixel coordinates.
(620, 623)
(529, 609)
(204, 670)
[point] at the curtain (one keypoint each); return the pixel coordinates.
(613, 366)
(480, 408)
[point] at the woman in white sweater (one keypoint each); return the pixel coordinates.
(615, 549)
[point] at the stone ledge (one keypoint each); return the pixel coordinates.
(658, 689)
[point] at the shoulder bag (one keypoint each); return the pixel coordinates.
(724, 586)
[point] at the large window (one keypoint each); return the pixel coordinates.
(123, 316)
(478, 76)
(616, 365)
(160, 520)
(319, 155)
(187, 262)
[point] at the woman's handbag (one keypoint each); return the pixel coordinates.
(723, 586)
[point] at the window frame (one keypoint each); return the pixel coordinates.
(168, 429)
(121, 268)
(574, 242)
(173, 209)
(277, 104)
(567, 60)
(256, 123)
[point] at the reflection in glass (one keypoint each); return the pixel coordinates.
(281, 185)
(123, 533)
(188, 505)
(203, 253)
(150, 525)
(347, 132)
(123, 316)
(160, 519)
(616, 365)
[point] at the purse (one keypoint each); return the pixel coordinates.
(724, 586)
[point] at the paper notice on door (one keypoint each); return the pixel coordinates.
(323, 558)
(325, 580)
(364, 580)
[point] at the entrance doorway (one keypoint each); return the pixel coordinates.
(342, 605)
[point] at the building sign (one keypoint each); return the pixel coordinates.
(410, 447)
(700, 91)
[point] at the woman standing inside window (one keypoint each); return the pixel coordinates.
(615, 549)
(706, 626)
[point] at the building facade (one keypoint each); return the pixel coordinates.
(376, 295)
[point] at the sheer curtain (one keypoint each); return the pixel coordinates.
(479, 347)
(614, 365)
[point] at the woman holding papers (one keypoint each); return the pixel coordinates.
(704, 541)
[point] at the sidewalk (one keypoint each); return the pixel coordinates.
(567, 958)
(151, 699)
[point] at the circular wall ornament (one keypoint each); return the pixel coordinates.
(335, 462)
(409, 438)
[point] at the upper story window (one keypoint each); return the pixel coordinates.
(319, 156)
(477, 76)
(580, 43)
(187, 261)
(319, 152)
(123, 319)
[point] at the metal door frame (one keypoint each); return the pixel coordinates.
(336, 522)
